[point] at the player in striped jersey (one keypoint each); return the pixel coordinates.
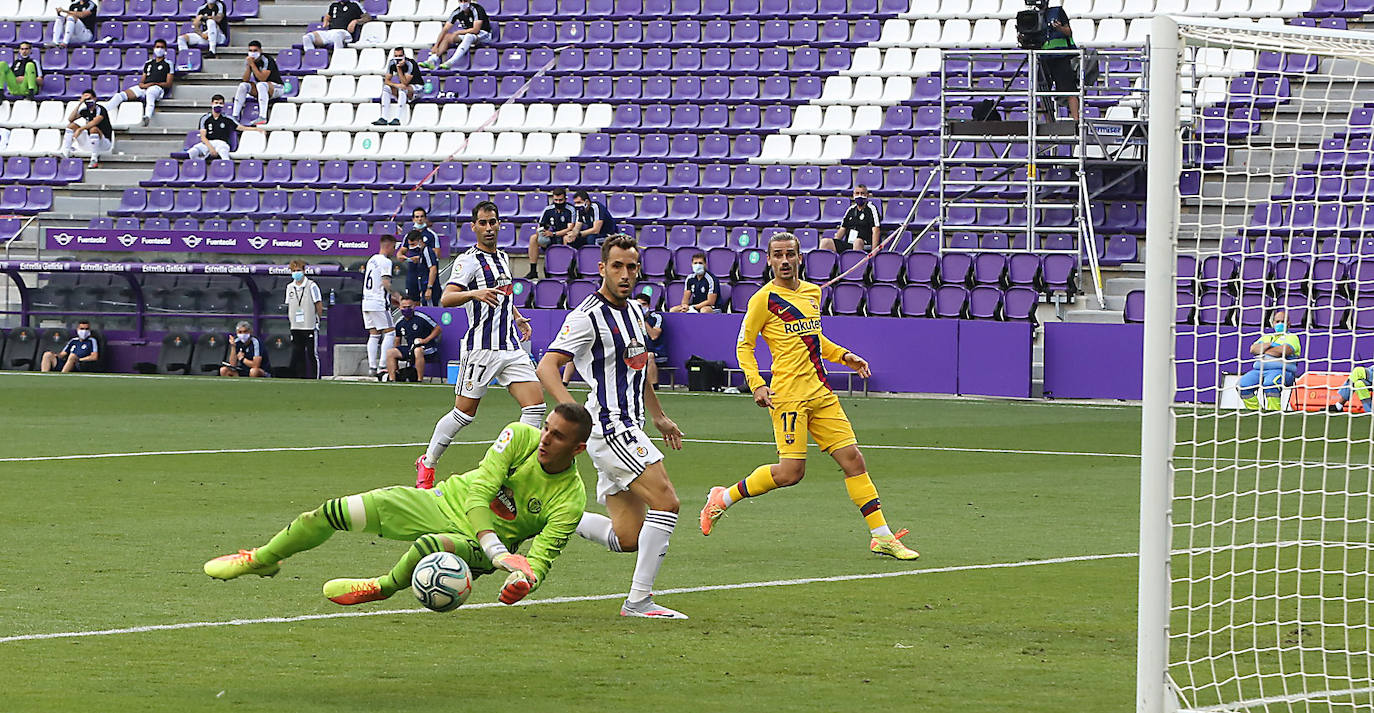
(605, 338)
(481, 283)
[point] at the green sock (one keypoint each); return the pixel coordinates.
(399, 576)
(308, 530)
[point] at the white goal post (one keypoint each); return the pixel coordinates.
(1256, 573)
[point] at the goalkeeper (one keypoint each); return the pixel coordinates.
(526, 486)
(1275, 365)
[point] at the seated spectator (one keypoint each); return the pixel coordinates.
(81, 353)
(467, 27)
(653, 329)
(402, 80)
(77, 23)
(22, 76)
(152, 85)
(557, 225)
(859, 228)
(1357, 385)
(417, 340)
(261, 78)
(422, 269)
(96, 132)
(1274, 368)
(208, 28)
(246, 357)
(216, 131)
(594, 222)
(342, 21)
(702, 290)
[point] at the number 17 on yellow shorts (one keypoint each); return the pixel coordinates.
(823, 418)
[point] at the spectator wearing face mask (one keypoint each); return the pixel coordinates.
(261, 78)
(1275, 366)
(208, 28)
(22, 75)
(81, 353)
(557, 225)
(217, 131)
(245, 354)
(859, 229)
(89, 128)
(402, 80)
(467, 27)
(153, 85)
(702, 290)
(304, 307)
(417, 340)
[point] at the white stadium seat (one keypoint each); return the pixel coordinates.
(449, 143)
(309, 116)
(597, 117)
(565, 145)
(1084, 31)
(839, 119)
(430, 9)
(838, 147)
(984, 8)
(343, 61)
(369, 87)
(924, 33)
(511, 117)
(394, 145)
(836, 89)
(538, 146)
(423, 117)
(338, 116)
(1201, 8)
(539, 117)
(455, 117)
(896, 90)
(896, 31)
(367, 143)
(128, 115)
(335, 145)
(23, 112)
(867, 118)
(46, 142)
(865, 88)
(371, 61)
(52, 114)
(313, 88)
(399, 34)
(32, 10)
(480, 145)
(1110, 33)
(279, 144)
(1139, 32)
(777, 148)
(508, 147)
(1078, 8)
(367, 113)
(806, 119)
(373, 34)
(1240, 61)
(398, 10)
(865, 60)
(956, 33)
(926, 60)
(252, 144)
(427, 33)
(896, 60)
(10, 8)
(806, 149)
(1009, 33)
(567, 117)
(478, 116)
(282, 115)
(20, 141)
(953, 8)
(424, 146)
(986, 33)
(309, 144)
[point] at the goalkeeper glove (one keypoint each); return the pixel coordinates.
(514, 563)
(517, 585)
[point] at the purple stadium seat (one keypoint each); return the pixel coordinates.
(820, 265)
(917, 301)
(1134, 312)
(1018, 304)
(989, 268)
(1329, 312)
(955, 268)
(1059, 273)
(850, 263)
(654, 261)
(951, 301)
(588, 257)
(752, 263)
(559, 261)
(921, 268)
(1216, 308)
(847, 299)
(984, 302)
(548, 294)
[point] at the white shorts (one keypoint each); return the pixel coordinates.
(380, 319)
(92, 144)
(193, 39)
(479, 366)
(221, 148)
(335, 36)
(619, 459)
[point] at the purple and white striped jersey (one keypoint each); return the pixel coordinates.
(607, 346)
(488, 327)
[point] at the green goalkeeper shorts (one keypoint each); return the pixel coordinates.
(404, 513)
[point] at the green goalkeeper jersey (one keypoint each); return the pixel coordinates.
(526, 501)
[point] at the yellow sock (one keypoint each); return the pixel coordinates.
(865, 497)
(756, 483)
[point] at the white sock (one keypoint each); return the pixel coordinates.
(374, 350)
(653, 545)
(444, 432)
(264, 98)
(597, 528)
(115, 101)
(533, 415)
(240, 97)
(150, 102)
(67, 140)
(880, 531)
(308, 40)
(388, 341)
(386, 103)
(728, 500)
(181, 43)
(211, 33)
(401, 104)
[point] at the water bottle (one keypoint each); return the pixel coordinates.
(331, 298)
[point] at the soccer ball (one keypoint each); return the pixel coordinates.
(442, 581)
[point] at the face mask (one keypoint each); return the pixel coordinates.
(218, 108)
(159, 52)
(860, 200)
(399, 58)
(698, 268)
(90, 103)
(298, 276)
(83, 333)
(419, 223)
(407, 312)
(1280, 328)
(243, 338)
(254, 55)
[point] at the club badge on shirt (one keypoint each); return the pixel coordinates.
(636, 356)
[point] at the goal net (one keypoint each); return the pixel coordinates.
(1257, 514)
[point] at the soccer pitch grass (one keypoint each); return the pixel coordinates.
(111, 543)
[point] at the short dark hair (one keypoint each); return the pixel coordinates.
(577, 413)
(297, 264)
(164, 42)
(388, 239)
(619, 240)
(644, 296)
(779, 237)
(86, 322)
(91, 92)
(699, 255)
(583, 195)
(422, 210)
(485, 206)
(560, 191)
(415, 235)
(253, 44)
(217, 96)
(398, 47)
(410, 296)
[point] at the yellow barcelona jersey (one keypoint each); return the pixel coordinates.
(790, 322)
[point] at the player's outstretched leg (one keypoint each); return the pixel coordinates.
(864, 495)
(308, 530)
(652, 494)
(360, 591)
(756, 483)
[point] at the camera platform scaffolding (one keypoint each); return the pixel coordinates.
(1015, 176)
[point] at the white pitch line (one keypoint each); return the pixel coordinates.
(277, 449)
(567, 600)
